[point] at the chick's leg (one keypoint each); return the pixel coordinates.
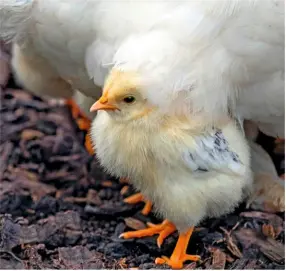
(83, 123)
(138, 197)
(179, 255)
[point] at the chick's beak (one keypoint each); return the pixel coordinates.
(102, 104)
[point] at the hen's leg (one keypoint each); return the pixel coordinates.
(36, 74)
(179, 255)
(83, 123)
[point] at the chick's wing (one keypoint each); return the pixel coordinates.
(212, 152)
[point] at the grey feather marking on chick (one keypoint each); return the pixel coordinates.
(212, 153)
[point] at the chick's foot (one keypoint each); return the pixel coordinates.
(83, 123)
(164, 230)
(138, 197)
(179, 255)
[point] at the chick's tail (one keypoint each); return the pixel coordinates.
(15, 16)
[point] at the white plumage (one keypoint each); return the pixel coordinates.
(210, 56)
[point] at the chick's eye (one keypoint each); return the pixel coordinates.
(129, 99)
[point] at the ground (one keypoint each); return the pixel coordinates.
(58, 210)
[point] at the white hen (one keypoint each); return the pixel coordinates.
(213, 56)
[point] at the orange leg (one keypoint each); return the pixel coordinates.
(138, 197)
(179, 255)
(83, 123)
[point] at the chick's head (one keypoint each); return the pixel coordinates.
(122, 97)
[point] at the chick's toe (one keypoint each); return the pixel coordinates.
(164, 230)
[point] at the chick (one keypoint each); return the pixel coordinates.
(187, 168)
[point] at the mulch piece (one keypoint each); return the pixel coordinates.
(59, 210)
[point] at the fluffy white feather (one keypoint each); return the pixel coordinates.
(15, 16)
(210, 56)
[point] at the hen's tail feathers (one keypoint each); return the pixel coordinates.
(15, 16)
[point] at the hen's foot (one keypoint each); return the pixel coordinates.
(83, 123)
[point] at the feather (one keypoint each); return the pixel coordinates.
(193, 56)
(212, 152)
(15, 16)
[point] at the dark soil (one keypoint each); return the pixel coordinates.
(60, 211)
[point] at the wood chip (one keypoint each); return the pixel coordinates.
(271, 248)
(29, 134)
(273, 219)
(229, 259)
(122, 263)
(75, 200)
(231, 245)
(93, 198)
(134, 223)
(190, 266)
(107, 183)
(80, 257)
(268, 231)
(251, 265)
(218, 260)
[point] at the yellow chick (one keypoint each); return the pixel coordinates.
(188, 169)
